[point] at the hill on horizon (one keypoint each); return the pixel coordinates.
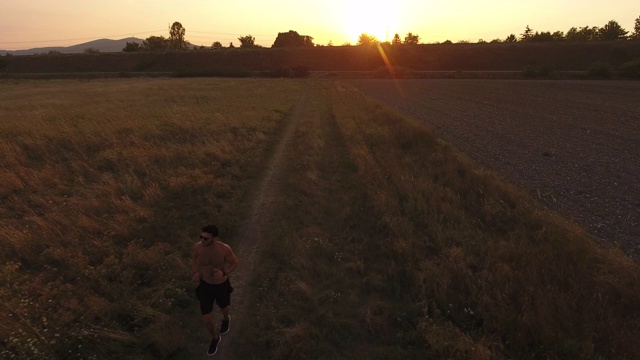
(102, 45)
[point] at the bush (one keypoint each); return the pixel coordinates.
(631, 69)
(145, 65)
(396, 72)
(184, 73)
(600, 70)
(531, 71)
(545, 71)
(289, 72)
(619, 55)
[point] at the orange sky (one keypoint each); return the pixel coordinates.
(28, 24)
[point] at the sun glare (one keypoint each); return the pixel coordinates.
(376, 18)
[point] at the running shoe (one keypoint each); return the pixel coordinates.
(213, 347)
(226, 324)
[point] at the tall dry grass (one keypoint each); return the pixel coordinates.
(397, 246)
(491, 268)
(384, 242)
(104, 185)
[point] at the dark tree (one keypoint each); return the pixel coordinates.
(636, 30)
(132, 47)
(216, 45)
(511, 39)
(558, 36)
(542, 36)
(366, 40)
(612, 31)
(231, 45)
(176, 37)
(527, 35)
(396, 40)
(247, 41)
(292, 39)
(307, 41)
(155, 43)
(583, 34)
(572, 34)
(411, 39)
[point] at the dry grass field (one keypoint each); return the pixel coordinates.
(371, 237)
(104, 187)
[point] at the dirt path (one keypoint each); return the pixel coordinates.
(250, 233)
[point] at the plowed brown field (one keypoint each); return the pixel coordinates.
(575, 145)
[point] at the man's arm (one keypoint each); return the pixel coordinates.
(231, 261)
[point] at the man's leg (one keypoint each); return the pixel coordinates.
(215, 337)
(226, 320)
(207, 320)
(207, 298)
(224, 302)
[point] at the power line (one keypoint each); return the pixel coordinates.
(223, 37)
(231, 34)
(78, 39)
(228, 36)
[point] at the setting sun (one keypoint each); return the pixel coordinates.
(375, 18)
(27, 24)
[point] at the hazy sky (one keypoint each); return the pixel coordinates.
(26, 24)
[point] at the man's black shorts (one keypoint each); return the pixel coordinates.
(209, 294)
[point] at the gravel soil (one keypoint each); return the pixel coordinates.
(575, 145)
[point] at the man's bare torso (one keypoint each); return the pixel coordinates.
(212, 260)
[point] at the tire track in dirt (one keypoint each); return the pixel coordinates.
(250, 233)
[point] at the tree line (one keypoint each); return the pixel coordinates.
(177, 41)
(611, 31)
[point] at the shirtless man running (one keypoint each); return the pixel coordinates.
(212, 262)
